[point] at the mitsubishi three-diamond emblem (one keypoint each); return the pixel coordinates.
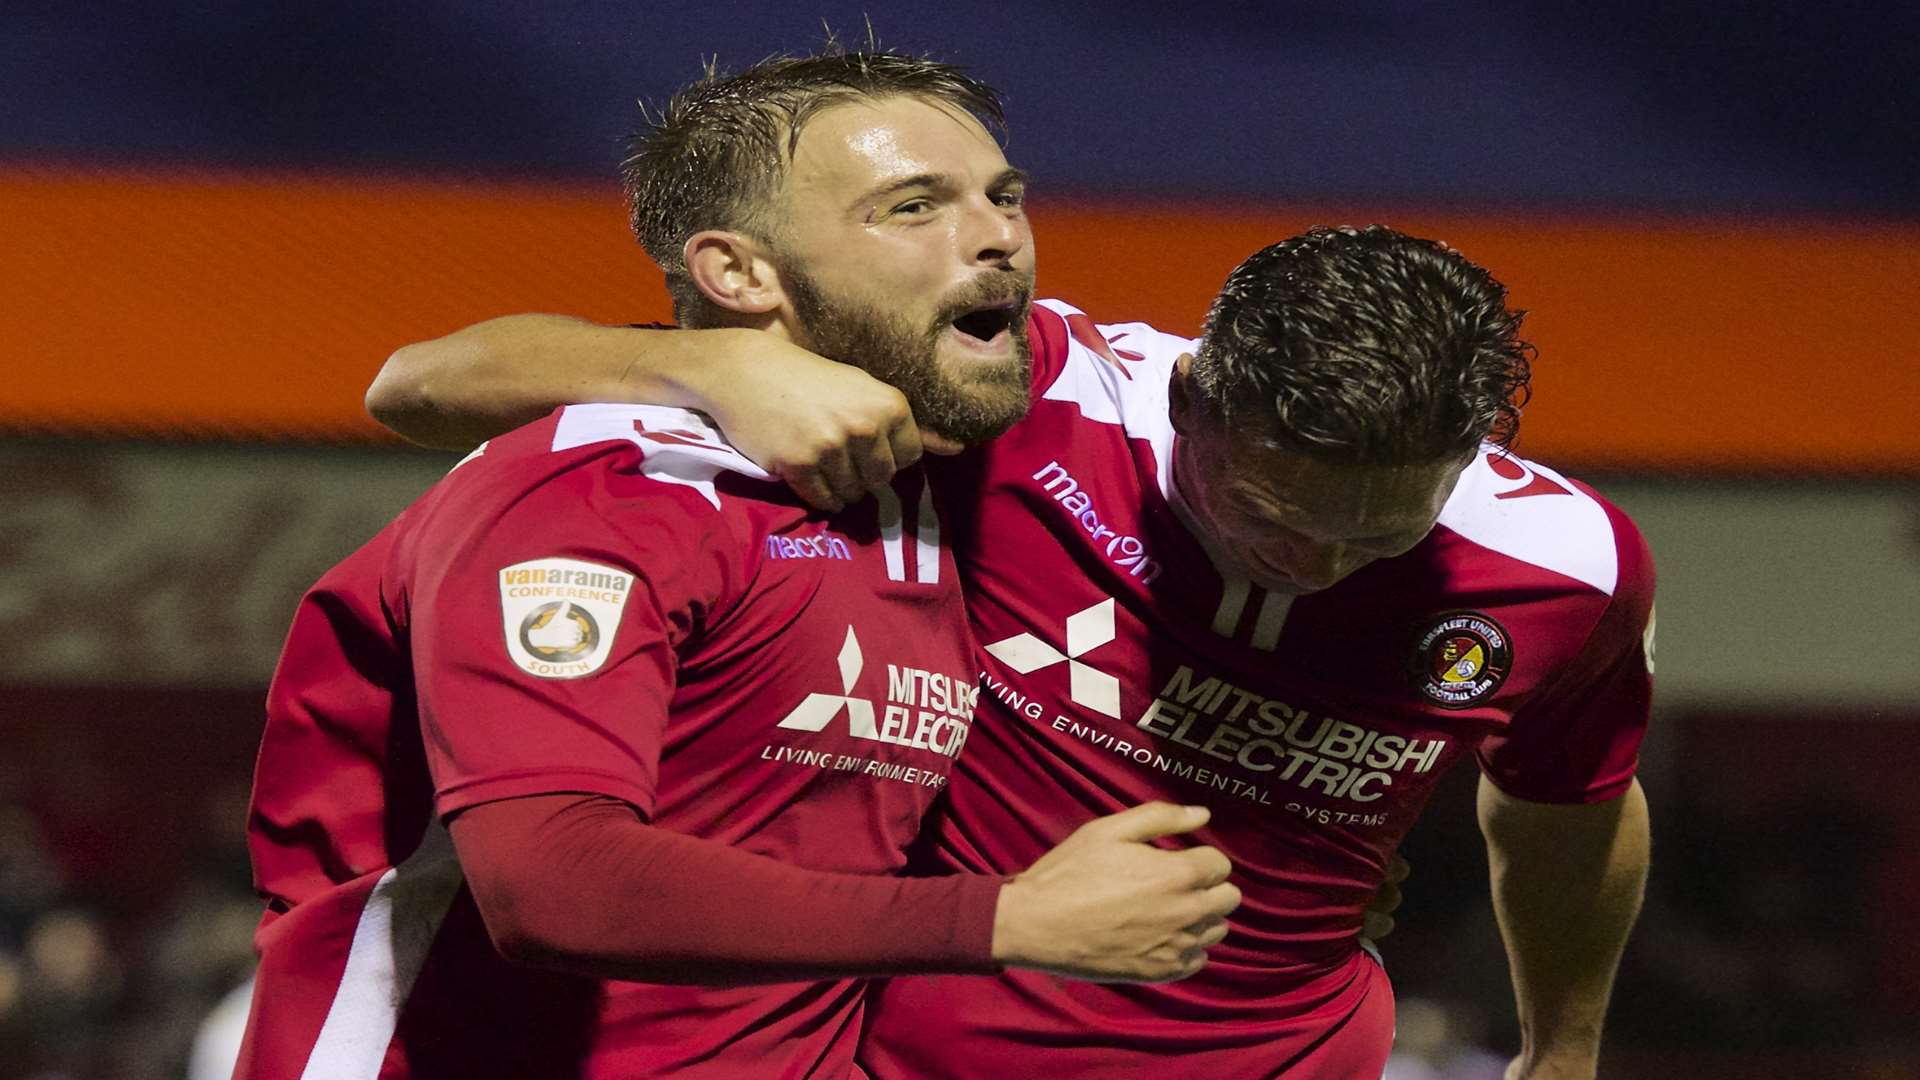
(814, 713)
(1087, 630)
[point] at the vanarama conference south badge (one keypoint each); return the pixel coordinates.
(561, 615)
(1461, 659)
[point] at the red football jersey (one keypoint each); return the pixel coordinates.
(607, 601)
(1124, 662)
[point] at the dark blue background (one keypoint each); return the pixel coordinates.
(1797, 108)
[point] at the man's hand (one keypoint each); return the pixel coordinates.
(1107, 905)
(1379, 918)
(829, 430)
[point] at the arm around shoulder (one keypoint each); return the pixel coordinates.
(456, 391)
(828, 429)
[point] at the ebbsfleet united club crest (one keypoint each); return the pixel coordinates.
(1461, 659)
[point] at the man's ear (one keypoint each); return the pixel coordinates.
(1180, 403)
(733, 272)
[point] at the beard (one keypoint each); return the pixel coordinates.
(973, 405)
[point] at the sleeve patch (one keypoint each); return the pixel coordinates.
(560, 615)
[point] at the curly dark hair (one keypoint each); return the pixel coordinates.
(1365, 346)
(716, 154)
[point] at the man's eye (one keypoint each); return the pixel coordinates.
(1012, 200)
(914, 206)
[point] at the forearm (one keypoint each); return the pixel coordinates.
(580, 883)
(1567, 885)
(828, 429)
(456, 391)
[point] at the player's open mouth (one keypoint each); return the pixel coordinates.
(986, 325)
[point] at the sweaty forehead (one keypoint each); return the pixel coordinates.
(851, 147)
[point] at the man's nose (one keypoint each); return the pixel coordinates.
(1314, 566)
(992, 235)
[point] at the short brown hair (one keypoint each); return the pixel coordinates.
(1365, 346)
(715, 155)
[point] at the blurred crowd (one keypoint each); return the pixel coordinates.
(97, 983)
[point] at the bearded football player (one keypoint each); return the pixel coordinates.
(602, 759)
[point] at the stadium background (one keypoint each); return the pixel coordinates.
(217, 219)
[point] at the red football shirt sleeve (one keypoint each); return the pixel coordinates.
(544, 620)
(1579, 740)
(1047, 338)
(579, 882)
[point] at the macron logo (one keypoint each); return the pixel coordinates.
(808, 547)
(1087, 630)
(1122, 551)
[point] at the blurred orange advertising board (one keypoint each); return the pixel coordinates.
(253, 305)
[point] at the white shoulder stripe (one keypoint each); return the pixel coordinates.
(677, 446)
(1528, 512)
(1125, 384)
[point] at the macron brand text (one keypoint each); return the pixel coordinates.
(1126, 552)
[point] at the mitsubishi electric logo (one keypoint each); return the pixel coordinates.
(1087, 630)
(924, 710)
(818, 710)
